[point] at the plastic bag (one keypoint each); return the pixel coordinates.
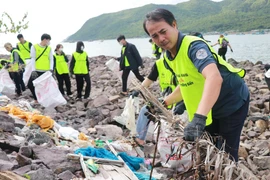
(27, 71)
(47, 92)
(127, 117)
(69, 133)
(7, 86)
(167, 139)
(113, 65)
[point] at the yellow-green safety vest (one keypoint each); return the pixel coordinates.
(61, 65)
(80, 63)
(155, 50)
(15, 67)
(126, 60)
(43, 63)
(24, 49)
(165, 77)
(190, 80)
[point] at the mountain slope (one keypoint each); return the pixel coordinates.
(194, 15)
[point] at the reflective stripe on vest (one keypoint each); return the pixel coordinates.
(190, 80)
(43, 63)
(61, 65)
(24, 49)
(80, 63)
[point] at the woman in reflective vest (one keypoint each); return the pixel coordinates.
(61, 70)
(79, 66)
(15, 67)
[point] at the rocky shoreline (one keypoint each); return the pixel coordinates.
(94, 117)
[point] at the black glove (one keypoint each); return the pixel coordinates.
(34, 75)
(179, 108)
(3, 62)
(149, 114)
(195, 128)
(167, 91)
(134, 93)
(231, 50)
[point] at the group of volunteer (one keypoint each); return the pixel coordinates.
(192, 75)
(41, 58)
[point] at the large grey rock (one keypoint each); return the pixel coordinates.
(110, 131)
(101, 100)
(42, 174)
(262, 162)
(26, 151)
(55, 159)
(6, 122)
(67, 175)
(23, 170)
(6, 165)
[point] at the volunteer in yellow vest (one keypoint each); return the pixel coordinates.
(41, 61)
(15, 67)
(79, 65)
(167, 84)
(223, 46)
(215, 95)
(61, 70)
(130, 60)
(24, 46)
(156, 51)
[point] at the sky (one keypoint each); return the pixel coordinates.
(61, 18)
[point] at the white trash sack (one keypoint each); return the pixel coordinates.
(7, 86)
(127, 117)
(47, 92)
(27, 71)
(113, 65)
(171, 138)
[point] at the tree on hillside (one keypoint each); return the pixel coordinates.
(7, 25)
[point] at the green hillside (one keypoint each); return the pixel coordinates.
(194, 15)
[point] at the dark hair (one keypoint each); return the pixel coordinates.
(78, 46)
(45, 36)
(198, 34)
(120, 38)
(267, 66)
(57, 47)
(157, 16)
(19, 36)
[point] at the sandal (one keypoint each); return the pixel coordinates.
(137, 143)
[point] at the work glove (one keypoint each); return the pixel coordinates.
(34, 75)
(3, 62)
(231, 50)
(167, 91)
(195, 128)
(179, 108)
(134, 93)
